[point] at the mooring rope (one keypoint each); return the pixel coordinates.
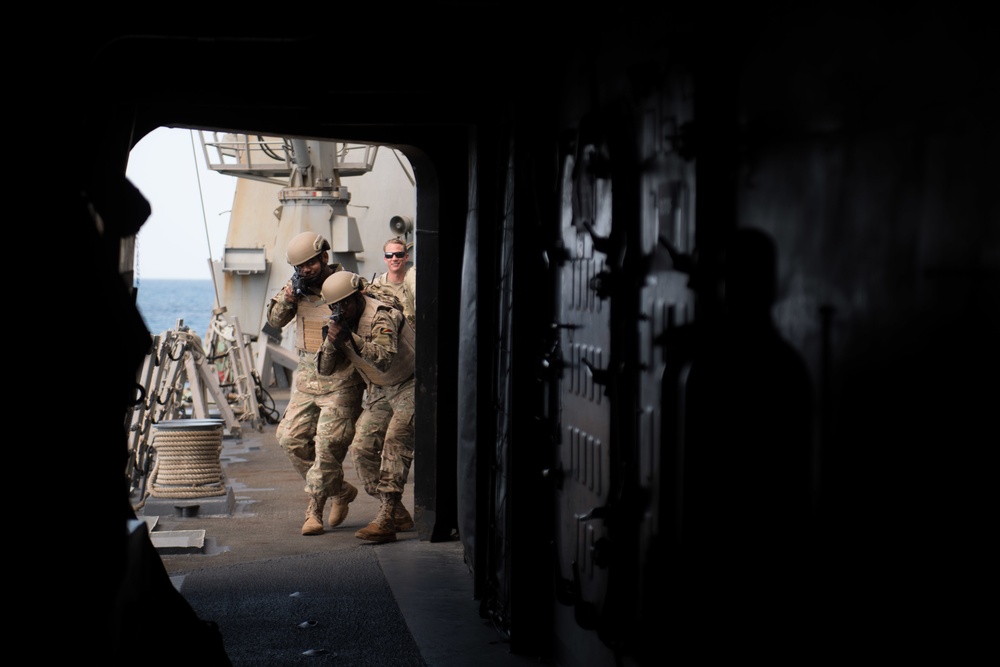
(187, 464)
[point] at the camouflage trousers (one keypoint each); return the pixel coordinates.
(382, 450)
(316, 431)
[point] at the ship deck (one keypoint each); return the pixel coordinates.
(281, 598)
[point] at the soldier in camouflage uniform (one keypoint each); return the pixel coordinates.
(317, 426)
(378, 341)
(398, 279)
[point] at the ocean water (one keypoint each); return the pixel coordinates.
(162, 302)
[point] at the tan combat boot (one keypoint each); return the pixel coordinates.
(382, 528)
(314, 516)
(402, 518)
(338, 511)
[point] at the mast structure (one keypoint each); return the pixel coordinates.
(290, 186)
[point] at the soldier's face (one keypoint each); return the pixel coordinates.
(395, 256)
(348, 307)
(311, 268)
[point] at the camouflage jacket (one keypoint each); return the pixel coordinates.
(405, 292)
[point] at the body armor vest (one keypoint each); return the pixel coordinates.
(310, 316)
(402, 363)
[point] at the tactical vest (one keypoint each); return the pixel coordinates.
(402, 363)
(310, 316)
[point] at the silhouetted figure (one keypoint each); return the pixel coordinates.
(118, 606)
(747, 449)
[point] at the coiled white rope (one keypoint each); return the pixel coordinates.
(187, 463)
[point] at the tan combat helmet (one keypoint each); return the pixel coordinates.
(341, 285)
(304, 247)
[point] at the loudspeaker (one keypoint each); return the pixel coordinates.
(401, 225)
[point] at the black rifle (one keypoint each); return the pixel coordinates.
(299, 285)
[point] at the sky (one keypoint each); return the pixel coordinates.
(190, 205)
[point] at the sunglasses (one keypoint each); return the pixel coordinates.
(398, 255)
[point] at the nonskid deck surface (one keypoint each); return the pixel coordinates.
(283, 598)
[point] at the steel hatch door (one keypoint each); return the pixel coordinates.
(584, 410)
(623, 325)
